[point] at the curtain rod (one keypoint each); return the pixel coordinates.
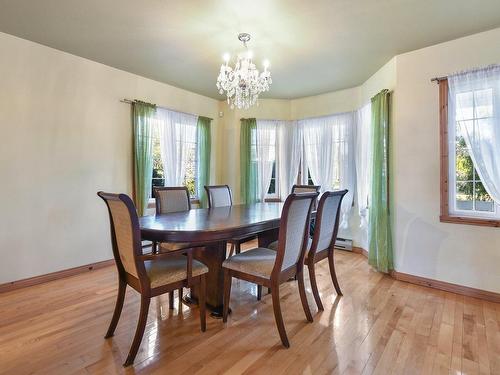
(438, 79)
(130, 101)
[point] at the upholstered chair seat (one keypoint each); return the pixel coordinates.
(171, 270)
(257, 262)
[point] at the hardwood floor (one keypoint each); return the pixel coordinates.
(379, 326)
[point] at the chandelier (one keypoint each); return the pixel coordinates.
(243, 83)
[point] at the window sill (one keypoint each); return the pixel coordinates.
(469, 221)
(272, 200)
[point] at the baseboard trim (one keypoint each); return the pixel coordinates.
(13, 285)
(448, 287)
(360, 250)
(412, 279)
(436, 284)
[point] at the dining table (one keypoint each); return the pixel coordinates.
(208, 230)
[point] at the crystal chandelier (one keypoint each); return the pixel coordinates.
(243, 83)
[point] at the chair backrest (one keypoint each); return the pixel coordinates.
(125, 233)
(171, 199)
(327, 221)
(307, 189)
(294, 230)
(219, 196)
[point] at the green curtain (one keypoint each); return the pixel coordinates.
(204, 151)
(380, 248)
(248, 167)
(143, 116)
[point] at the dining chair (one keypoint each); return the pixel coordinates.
(296, 189)
(148, 274)
(322, 244)
(221, 196)
(169, 199)
(323, 241)
(271, 268)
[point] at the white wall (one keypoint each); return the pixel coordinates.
(461, 254)
(65, 136)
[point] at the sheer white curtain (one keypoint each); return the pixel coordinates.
(474, 103)
(173, 129)
(363, 160)
(266, 155)
(329, 155)
(289, 152)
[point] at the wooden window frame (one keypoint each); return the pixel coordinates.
(445, 216)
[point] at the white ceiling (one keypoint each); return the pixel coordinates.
(313, 46)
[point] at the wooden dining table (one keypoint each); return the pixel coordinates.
(209, 230)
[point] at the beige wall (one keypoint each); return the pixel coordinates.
(325, 104)
(461, 254)
(65, 136)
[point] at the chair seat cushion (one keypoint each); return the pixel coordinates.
(256, 262)
(170, 270)
(174, 246)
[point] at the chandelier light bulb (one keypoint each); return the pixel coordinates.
(265, 64)
(226, 57)
(250, 54)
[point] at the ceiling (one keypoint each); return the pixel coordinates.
(313, 46)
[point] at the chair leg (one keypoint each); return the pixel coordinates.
(314, 286)
(259, 292)
(275, 293)
(227, 294)
(331, 263)
(139, 332)
(122, 287)
(303, 296)
(180, 298)
(202, 303)
(171, 300)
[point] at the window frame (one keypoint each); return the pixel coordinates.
(446, 215)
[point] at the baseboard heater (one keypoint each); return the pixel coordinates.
(343, 244)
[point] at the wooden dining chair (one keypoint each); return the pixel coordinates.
(271, 268)
(169, 199)
(322, 244)
(323, 241)
(221, 196)
(148, 274)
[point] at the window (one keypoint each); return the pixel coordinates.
(464, 198)
(190, 147)
(185, 133)
(273, 191)
(158, 175)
